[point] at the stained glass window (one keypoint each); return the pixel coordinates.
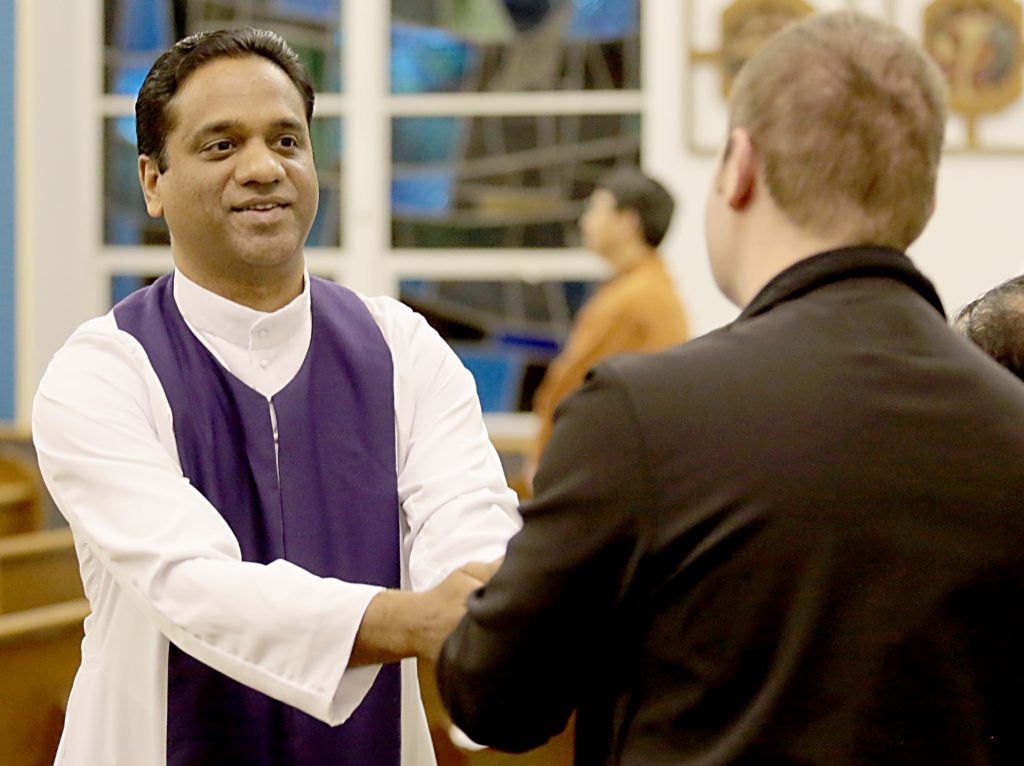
(505, 332)
(514, 45)
(512, 181)
(137, 31)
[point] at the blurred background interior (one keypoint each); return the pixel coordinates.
(456, 141)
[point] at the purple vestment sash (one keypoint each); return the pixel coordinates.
(333, 511)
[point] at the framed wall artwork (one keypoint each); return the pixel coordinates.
(976, 43)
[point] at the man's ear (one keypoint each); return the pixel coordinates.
(740, 170)
(149, 179)
(631, 220)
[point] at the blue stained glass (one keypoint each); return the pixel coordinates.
(140, 30)
(497, 373)
(121, 286)
(491, 45)
(142, 26)
(424, 193)
(604, 19)
(425, 139)
(527, 14)
(505, 345)
(427, 59)
(321, 9)
(125, 127)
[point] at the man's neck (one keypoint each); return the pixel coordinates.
(771, 253)
(629, 255)
(262, 294)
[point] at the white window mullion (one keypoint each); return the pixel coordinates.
(532, 265)
(552, 102)
(60, 159)
(367, 155)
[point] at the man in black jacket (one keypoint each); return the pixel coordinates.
(798, 539)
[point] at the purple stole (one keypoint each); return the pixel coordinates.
(334, 512)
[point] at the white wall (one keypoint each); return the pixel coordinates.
(974, 239)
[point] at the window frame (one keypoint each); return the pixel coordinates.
(66, 279)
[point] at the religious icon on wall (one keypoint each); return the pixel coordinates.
(977, 44)
(747, 25)
(743, 26)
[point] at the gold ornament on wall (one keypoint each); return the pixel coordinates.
(745, 26)
(977, 44)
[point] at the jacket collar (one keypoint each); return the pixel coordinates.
(837, 265)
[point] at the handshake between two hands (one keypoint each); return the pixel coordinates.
(446, 604)
(399, 624)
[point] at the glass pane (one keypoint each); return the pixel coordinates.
(125, 221)
(505, 333)
(501, 181)
(514, 45)
(123, 285)
(137, 31)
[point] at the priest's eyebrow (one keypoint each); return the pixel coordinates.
(231, 126)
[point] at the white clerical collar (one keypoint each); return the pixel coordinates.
(212, 314)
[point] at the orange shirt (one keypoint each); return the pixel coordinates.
(638, 310)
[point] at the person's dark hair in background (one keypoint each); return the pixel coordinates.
(995, 323)
(635, 191)
(153, 120)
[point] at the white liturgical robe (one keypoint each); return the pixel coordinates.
(159, 563)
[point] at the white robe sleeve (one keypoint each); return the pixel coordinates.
(451, 485)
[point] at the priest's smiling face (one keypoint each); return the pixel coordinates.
(239, 191)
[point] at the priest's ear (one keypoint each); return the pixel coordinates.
(149, 179)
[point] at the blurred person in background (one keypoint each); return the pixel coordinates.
(624, 221)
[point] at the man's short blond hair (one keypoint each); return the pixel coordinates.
(847, 114)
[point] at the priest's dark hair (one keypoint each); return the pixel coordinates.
(154, 114)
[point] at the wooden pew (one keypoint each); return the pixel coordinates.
(41, 614)
(39, 653)
(20, 494)
(36, 569)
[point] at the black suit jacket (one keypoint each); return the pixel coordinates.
(796, 540)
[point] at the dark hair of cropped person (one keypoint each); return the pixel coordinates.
(995, 323)
(635, 191)
(154, 120)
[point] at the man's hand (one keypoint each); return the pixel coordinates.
(443, 606)
(480, 570)
(399, 624)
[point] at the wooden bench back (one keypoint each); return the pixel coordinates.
(20, 494)
(36, 569)
(40, 651)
